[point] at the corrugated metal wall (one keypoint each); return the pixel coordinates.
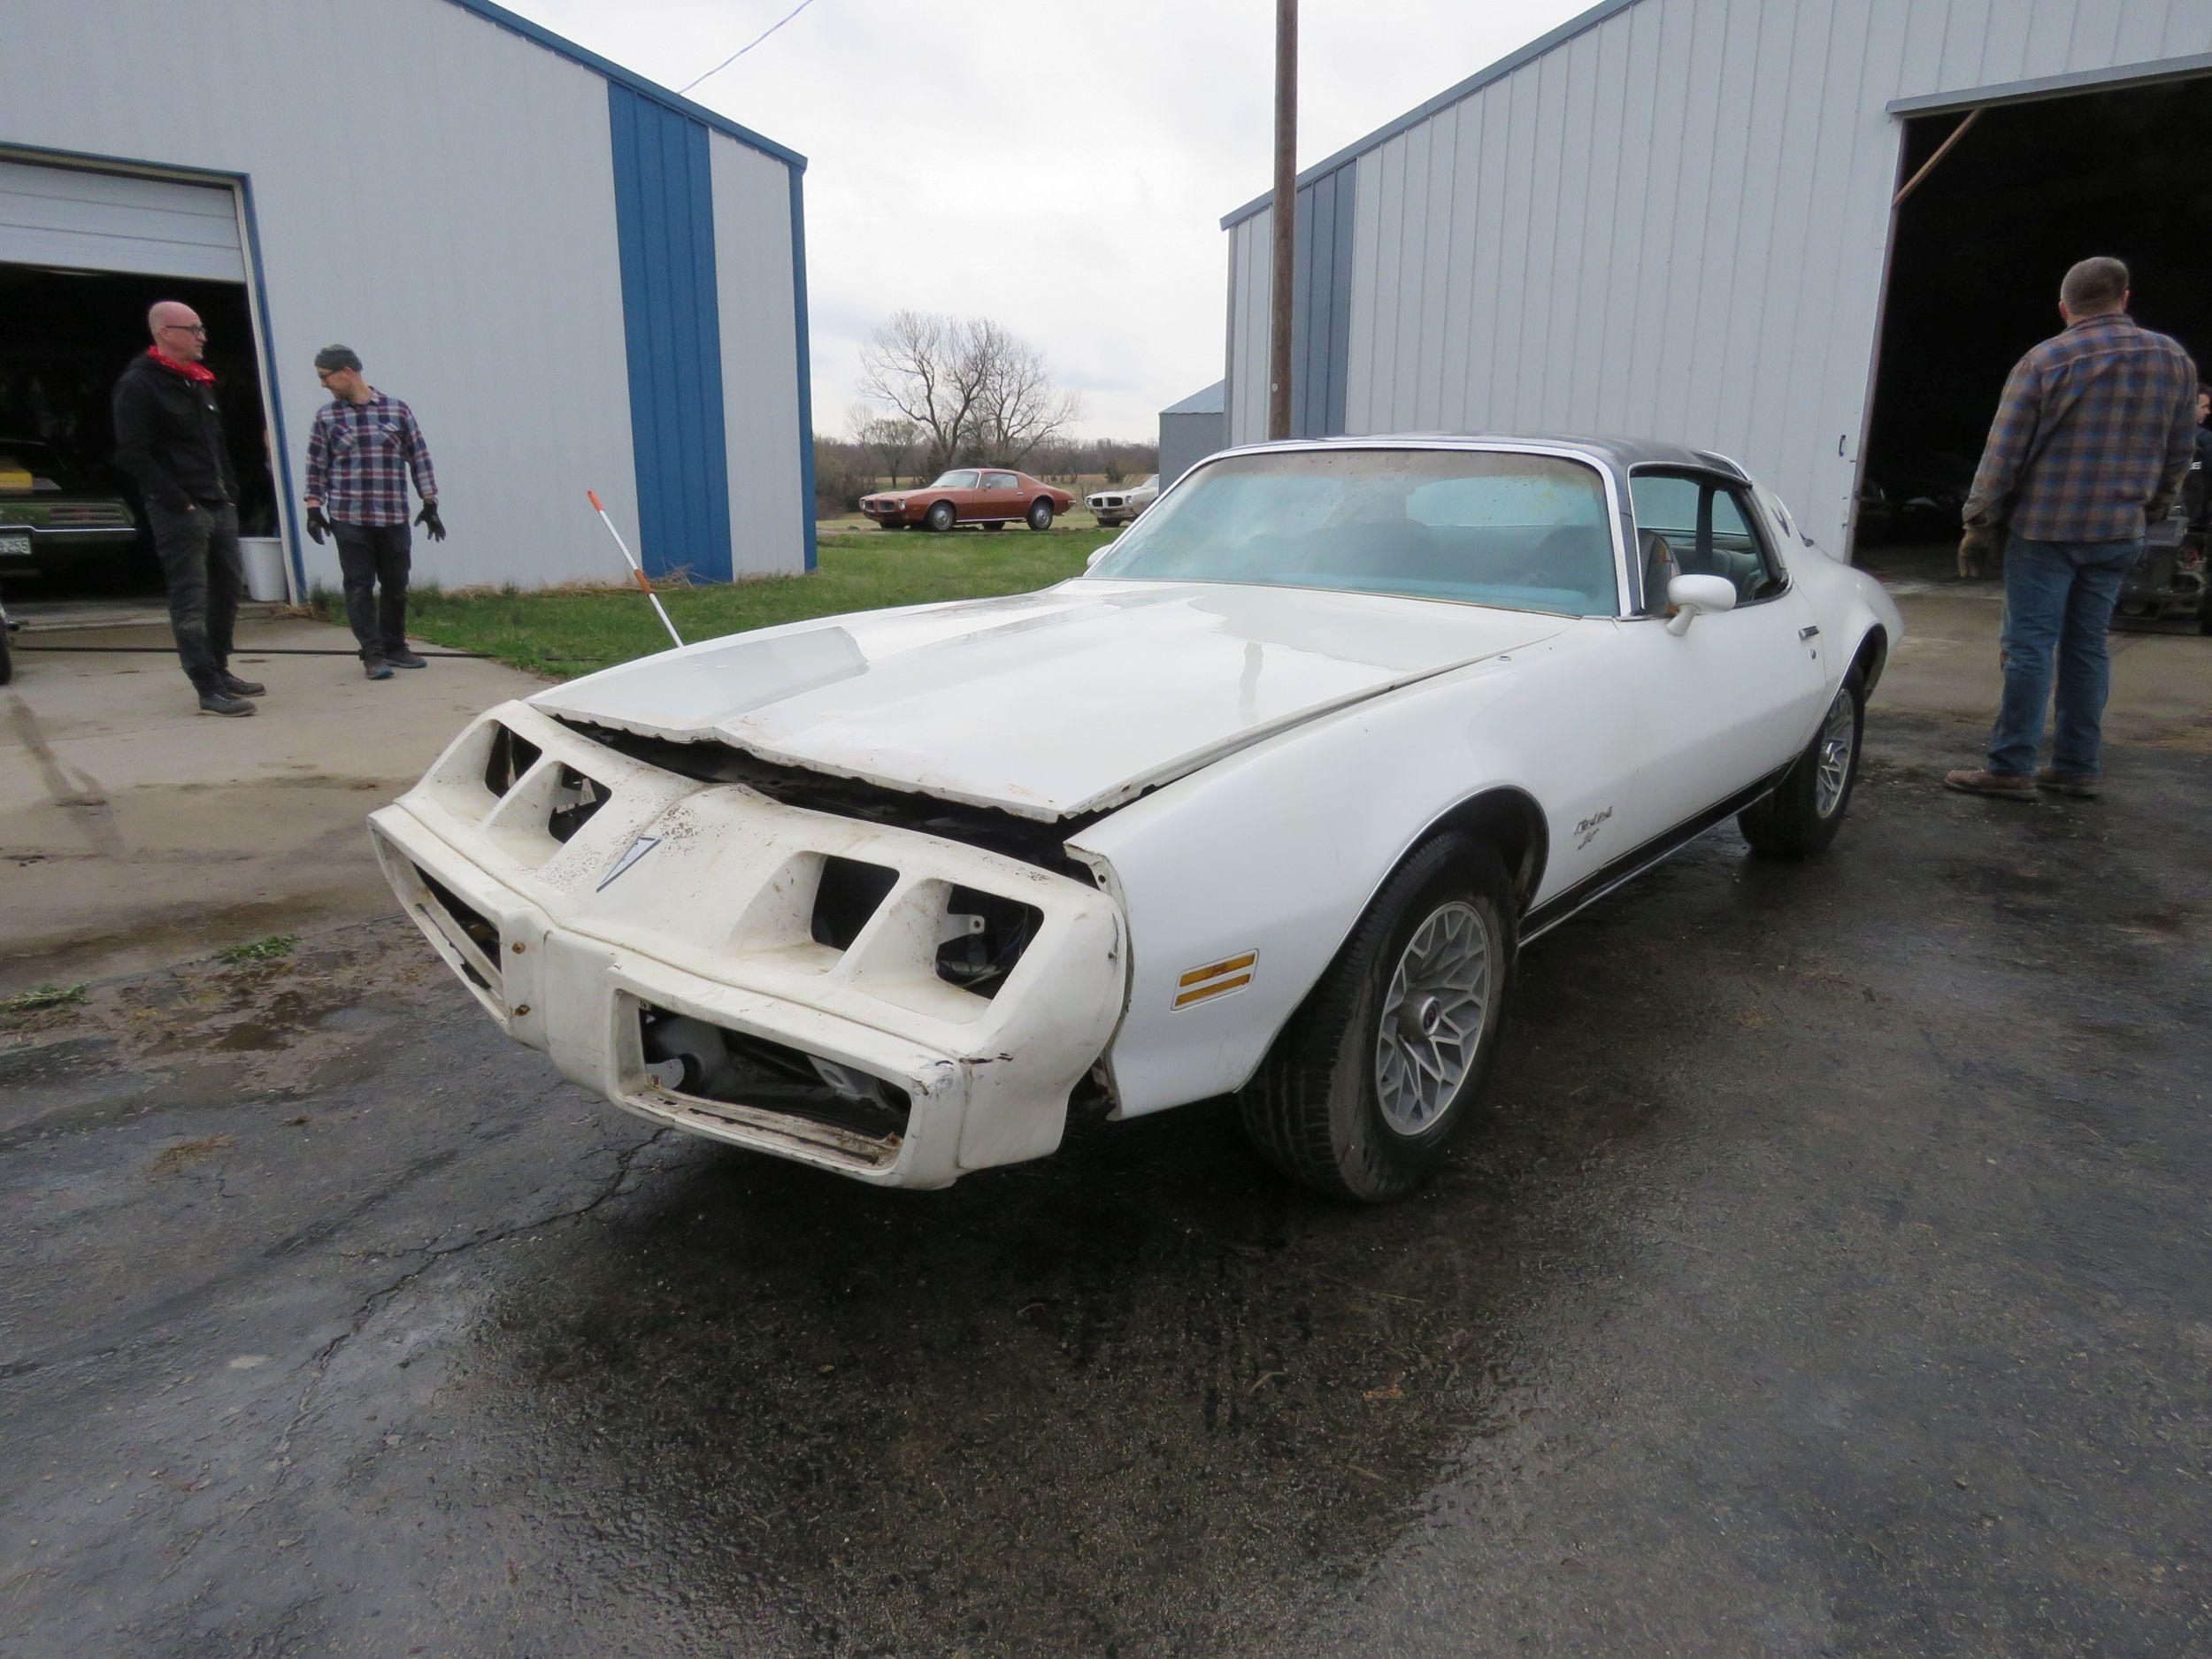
(1672, 224)
(450, 214)
(772, 517)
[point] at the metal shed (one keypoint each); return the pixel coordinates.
(1192, 430)
(1674, 218)
(575, 277)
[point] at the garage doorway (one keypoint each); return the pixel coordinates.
(1976, 253)
(82, 255)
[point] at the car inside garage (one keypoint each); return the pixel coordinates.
(2022, 191)
(83, 254)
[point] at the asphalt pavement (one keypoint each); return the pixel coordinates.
(1831, 1278)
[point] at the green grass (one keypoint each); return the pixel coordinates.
(44, 996)
(275, 948)
(573, 631)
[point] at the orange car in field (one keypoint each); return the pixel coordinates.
(989, 495)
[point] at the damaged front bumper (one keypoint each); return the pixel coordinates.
(888, 1004)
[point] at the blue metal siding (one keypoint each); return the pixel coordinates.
(671, 323)
(806, 364)
(1321, 304)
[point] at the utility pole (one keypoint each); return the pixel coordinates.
(1286, 216)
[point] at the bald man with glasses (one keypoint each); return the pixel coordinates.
(169, 438)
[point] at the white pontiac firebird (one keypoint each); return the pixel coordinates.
(1263, 804)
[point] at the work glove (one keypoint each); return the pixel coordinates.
(1978, 548)
(317, 527)
(430, 522)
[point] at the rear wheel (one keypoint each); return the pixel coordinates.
(1806, 809)
(1040, 514)
(940, 517)
(1384, 1062)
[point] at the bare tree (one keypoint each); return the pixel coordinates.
(889, 441)
(1019, 408)
(972, 390)
(919, 364)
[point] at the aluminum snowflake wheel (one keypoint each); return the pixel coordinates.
(1838, 734)
(1433, 1017)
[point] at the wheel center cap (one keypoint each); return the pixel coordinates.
(1423, 1018)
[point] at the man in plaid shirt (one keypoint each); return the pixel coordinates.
(359, 453)
(2093, 439)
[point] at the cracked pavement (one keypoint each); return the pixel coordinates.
(1829, 1280)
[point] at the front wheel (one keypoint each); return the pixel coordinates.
(1041, 515)
(940, 517)
(1806, 809)
(1384, 1062)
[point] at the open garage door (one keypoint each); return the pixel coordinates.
(83, 253)
(1979, 248)
(73, 219)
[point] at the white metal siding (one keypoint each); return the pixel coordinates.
(760, 359)
(1250, 260)
(92, 221)
(1672, 225)
(454, 222)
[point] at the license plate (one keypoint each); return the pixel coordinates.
(15, 546)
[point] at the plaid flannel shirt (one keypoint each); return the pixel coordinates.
(358, 458)
(2093, 435)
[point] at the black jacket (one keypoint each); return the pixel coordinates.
(169, 437)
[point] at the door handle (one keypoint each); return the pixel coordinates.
(1807, 631)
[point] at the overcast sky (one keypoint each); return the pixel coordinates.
(1061, 168)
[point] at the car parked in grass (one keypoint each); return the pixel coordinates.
(988, 495)
(51, 517)
(1263, 804)
(1119, 503)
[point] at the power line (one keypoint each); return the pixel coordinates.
(748, 47)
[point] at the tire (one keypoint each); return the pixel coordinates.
(1804, 814)
(7, 654)
(1040, 514)
(940, 517)
(1317, 1109)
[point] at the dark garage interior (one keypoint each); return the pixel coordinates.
(1980, 249)
(64, 335)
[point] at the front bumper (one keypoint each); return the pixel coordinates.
(887, 512)
(570, 948)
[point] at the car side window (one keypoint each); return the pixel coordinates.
(1000, 480)
(1710, 530)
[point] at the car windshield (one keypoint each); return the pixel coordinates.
(26, 467)
(955, 481)
(1525, 532)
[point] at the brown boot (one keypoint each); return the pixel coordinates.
(2006, 786)
(2083, 786)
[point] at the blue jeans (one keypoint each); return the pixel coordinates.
(2058, 600)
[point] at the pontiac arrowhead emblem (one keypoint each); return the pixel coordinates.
(639, 847)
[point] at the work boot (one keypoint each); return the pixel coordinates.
(376, 668)
(215, 700)
(2083, 786)
(238, 687)
(2004, 786)
(404, 658)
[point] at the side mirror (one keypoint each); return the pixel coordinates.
(1098, 553)
(1689, 594)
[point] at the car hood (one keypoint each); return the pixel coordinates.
(1050, 705)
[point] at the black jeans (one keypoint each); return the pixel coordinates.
(375, 560)
(204, 573)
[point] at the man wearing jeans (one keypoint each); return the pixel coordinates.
(360, 452)
(169, 438)
(2091, 440)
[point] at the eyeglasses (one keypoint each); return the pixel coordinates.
(190, 328)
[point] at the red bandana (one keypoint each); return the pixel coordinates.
(198, 372)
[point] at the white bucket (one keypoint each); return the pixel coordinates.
(264, 567)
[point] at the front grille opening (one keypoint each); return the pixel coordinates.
(848, 893)
(712, 1062)
(994, 933)
(575, 798)
(475, 926)
(510, 757)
